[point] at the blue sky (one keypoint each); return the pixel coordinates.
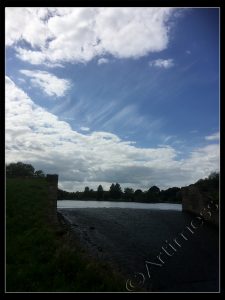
(133, 94)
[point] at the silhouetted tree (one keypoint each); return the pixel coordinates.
(214, 176)
(128, 194)
(19, 169)
(115, 191)
(64, 195)
(39, 173)
(138, 195)
(92, 194)
(154, 189)
(86, 189)
(153, 194)
(112, 190)
(138, 192)
(118, 191)
(210, 186)
(171, 195)
(86, 193)
(106, 195)
(100, 192)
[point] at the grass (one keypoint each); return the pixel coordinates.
(38, 258)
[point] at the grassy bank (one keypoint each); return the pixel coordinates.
(39, 256)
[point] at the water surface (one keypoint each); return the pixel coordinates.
(111, 204)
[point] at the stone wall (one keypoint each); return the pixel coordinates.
(52, 180)
(196, 202)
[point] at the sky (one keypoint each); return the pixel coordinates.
(105, 95)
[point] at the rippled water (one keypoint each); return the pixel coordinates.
(110, 204)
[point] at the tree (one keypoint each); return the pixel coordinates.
(128, 191)
(154, 189)
(100, 192)
(171, 195)
(86, 193)
(214, 176)
(138, 192)
(153, 194)
(115, 191)
(138, 195)
(39, 173)
(118, 191)
(129, 194)
(19, 169)
(210, 186)
(112, 190)
(86, 189)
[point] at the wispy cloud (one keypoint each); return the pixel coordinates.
(168, 138)
(213, 137)
(36, 136)
(162, 63)
(129, 117)
(193, 131)
(49, 83)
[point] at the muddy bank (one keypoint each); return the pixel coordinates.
(128, 238)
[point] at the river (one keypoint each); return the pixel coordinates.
(111, 204)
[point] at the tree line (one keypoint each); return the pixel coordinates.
(209, 186)
(115, 193)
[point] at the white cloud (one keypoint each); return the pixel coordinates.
(25, 24)
(162, 63)
(57, 35)
(49, 83)
(103, 61)
(213, 137)
(36, 136)
(85, 128)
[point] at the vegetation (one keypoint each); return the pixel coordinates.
(100, 193)
(210, 187)
(115, 193)
(20, 169)
(39, 256)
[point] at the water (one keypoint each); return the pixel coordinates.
(110, 204)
